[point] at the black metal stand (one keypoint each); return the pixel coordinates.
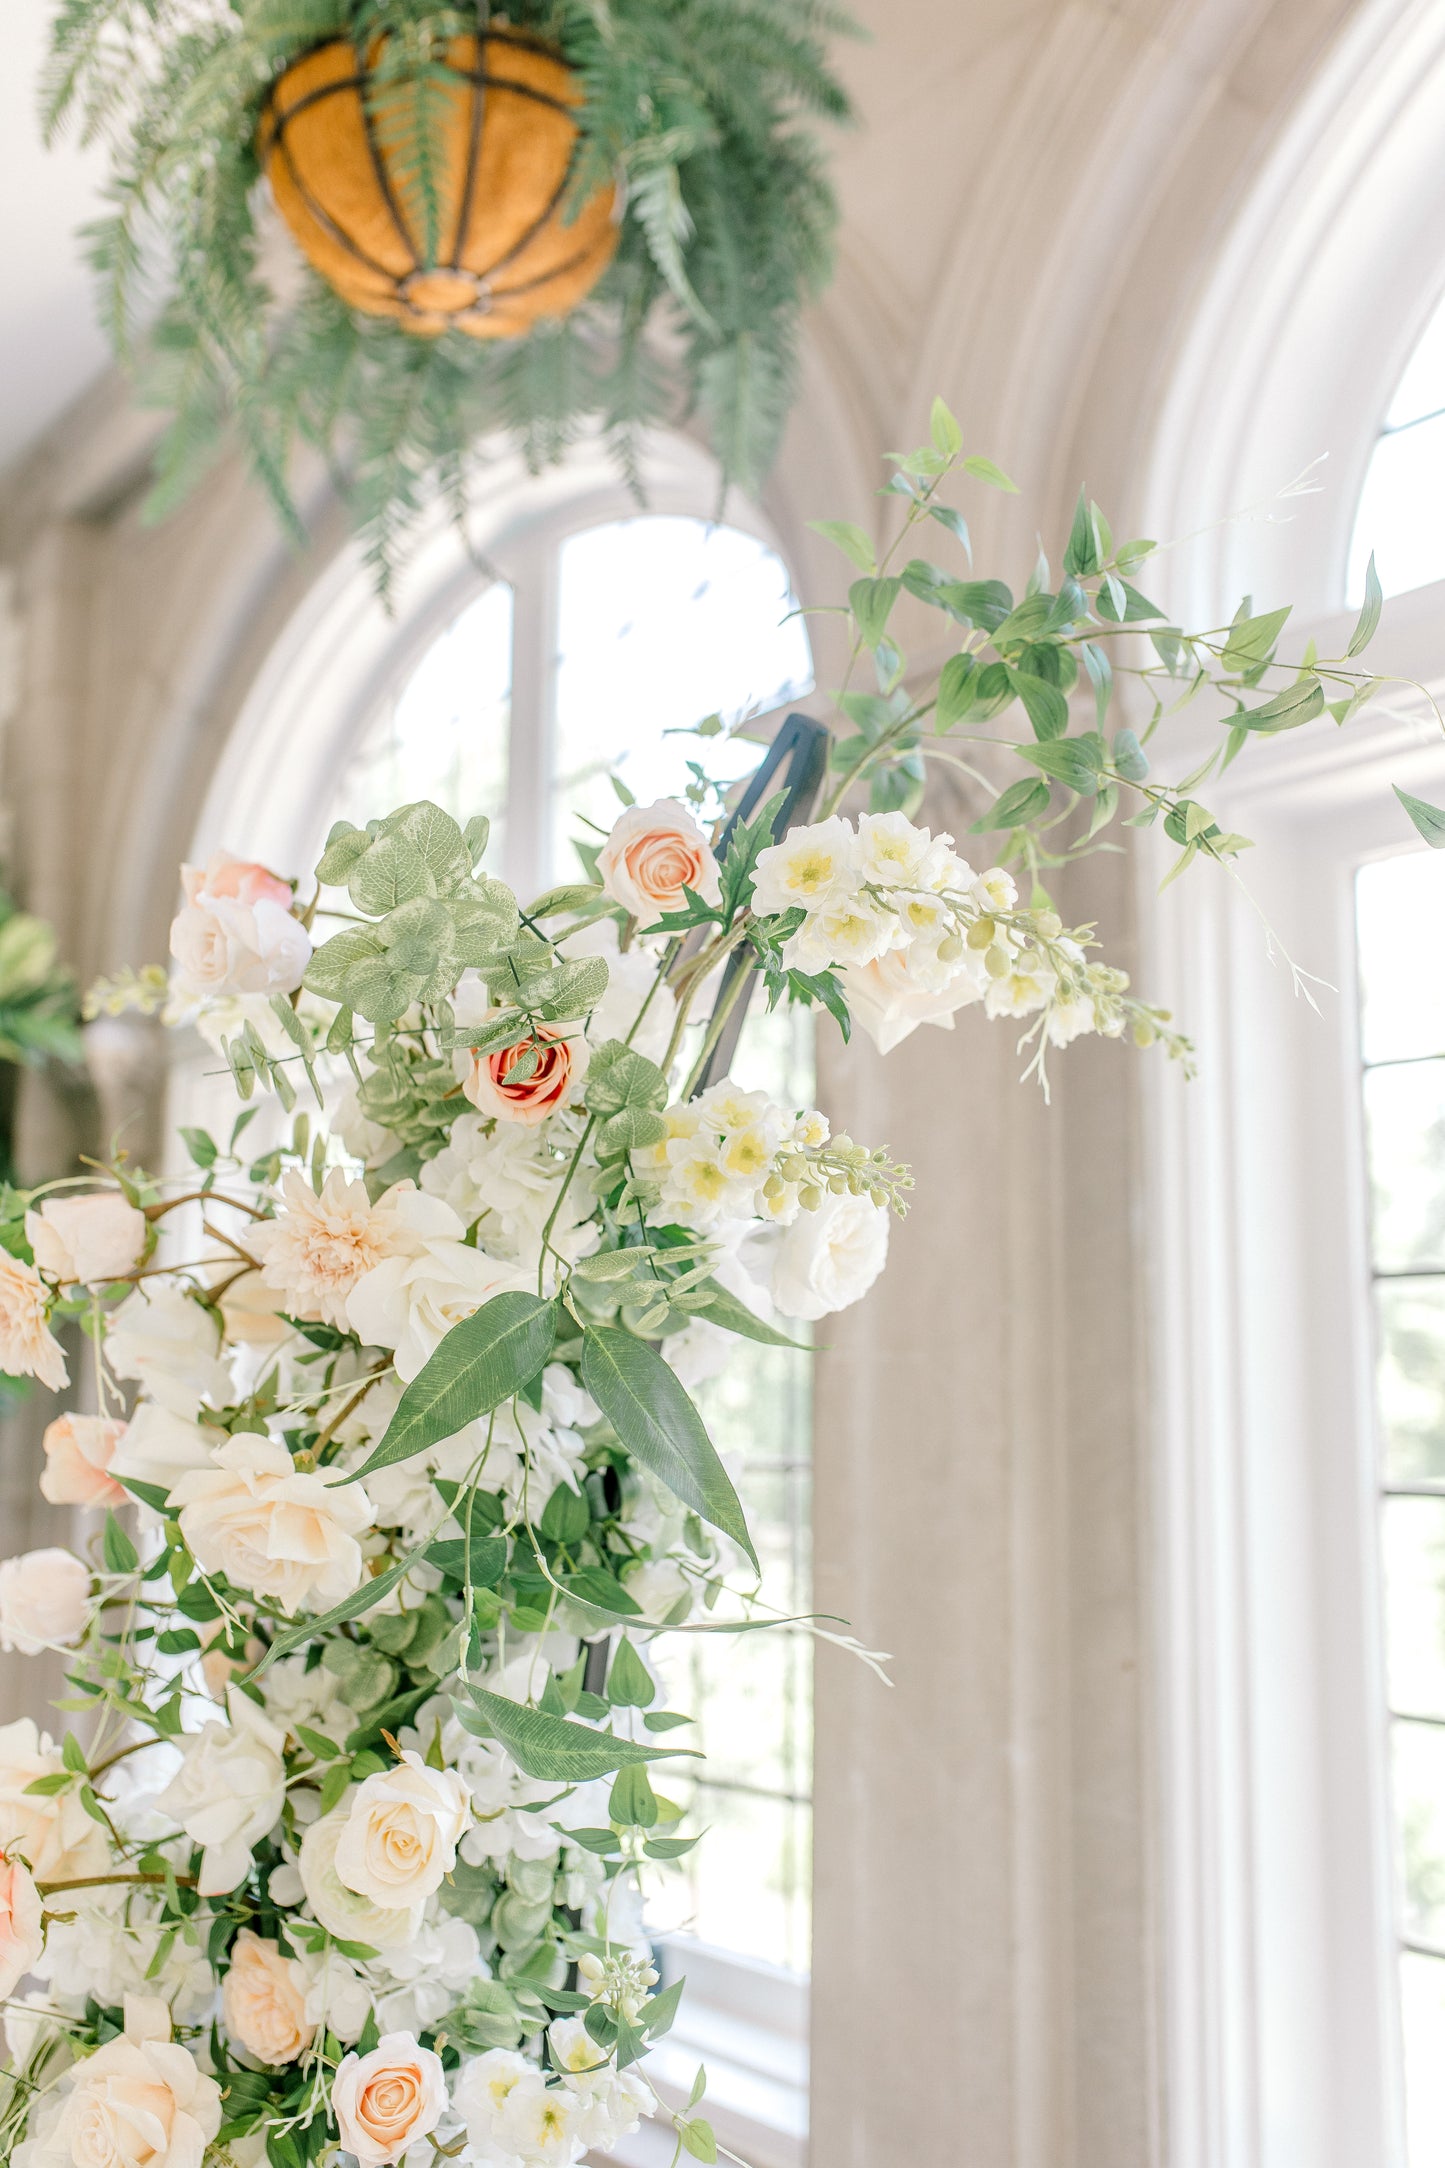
(800, 752)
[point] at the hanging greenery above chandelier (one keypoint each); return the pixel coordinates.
(577, 214)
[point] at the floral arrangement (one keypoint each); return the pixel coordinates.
(395, 1474)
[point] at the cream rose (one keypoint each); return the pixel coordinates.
(890, 998)
(28, 1348)
(383, 2102)
(44, 1602)
(229, 1791)
(95, 1238)
(78, 1450)
(22, 1934)
(652, 854)
(51, 1832)
(139, 2101)
(341, 1911)
(166, 1341)
(559, 1067)
(268, 1527)
(263, 2000)
(317, 1249)
(402, 1833)
(158, 1448)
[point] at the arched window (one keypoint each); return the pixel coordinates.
(1399, 516)
(585, 639)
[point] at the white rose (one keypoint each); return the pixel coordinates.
(225, 946)
(28, 1348)
(317, 1249)
(99, 1237)
(268, 1527)
(825, 1260)
(164, 1339)
(138, 2102)
(890, 1000)
(51, 1832)
(229, 1791)
(158, 1448)
(263, 2000)
(341, 1911)
(385, 2101)
(44, 1602)
(411, 1304)
(402, 1833)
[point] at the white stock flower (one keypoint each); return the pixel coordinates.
(851, 931)
(542, 2123)
(410, 1304)
(385, 2101)
(93, 1238)
(44, 1602)
(342, 1911)
(893, 853)
(402, 1833)
(1023, 988)
(269, 1527)
(28, 1348)
(826, 1260)
(165, 1340)
(317, 1250)
(507, 1175)
(51, 1831)
(887, 998)
(140, 2101)
(228, 1792)
(482, 2091)
(809, 869)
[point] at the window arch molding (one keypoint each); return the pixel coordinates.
(1329, 273)
(341, 653)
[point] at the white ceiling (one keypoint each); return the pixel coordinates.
(50, 343)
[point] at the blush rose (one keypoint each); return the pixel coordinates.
(78, 1451)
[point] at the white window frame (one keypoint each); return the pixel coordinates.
(1281, 1990)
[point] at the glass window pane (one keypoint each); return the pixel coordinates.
(661, 623)
(1419, 1757)
(1422, 1999)
(1414, 1537)
(1405, 1119)
(745, 1888)
(1400, 913)
(444, 736)
(1399, 515)
(1411, 1378)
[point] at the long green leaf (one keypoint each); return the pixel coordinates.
(722, 1308)
(554, 1748)
(360, 1600)
(1427, 818)
(646, 1405)
(481, 1362)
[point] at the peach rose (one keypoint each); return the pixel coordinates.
(652, 854)
(94, 1238)
(561, 1064)
(77, 1452)
(28, 1348)
(385, 2101)
(240, 879)
(139, 2101)
(44, 1601)
(263, 2000)
(22, 1937)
